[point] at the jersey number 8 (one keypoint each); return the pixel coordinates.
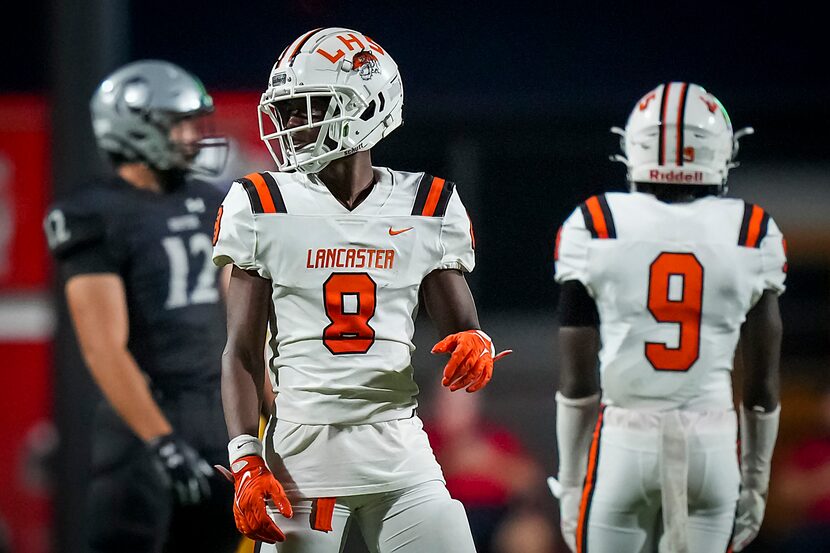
(350, 300)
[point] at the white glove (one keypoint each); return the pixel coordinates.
(750, 513)
(758, 433)
(569, 499)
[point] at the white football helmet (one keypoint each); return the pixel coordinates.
(357, 83)
(679, 134)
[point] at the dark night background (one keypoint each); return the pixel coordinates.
(513, 101)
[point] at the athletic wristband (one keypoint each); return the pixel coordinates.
(244, 445)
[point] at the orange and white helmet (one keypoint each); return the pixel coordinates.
(679, 134)
(359, 79)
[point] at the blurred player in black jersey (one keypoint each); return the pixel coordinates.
(145, 300)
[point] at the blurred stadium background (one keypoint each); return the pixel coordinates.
(513, 102)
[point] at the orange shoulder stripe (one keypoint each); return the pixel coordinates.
(263, 193)
(598, 216)
(754, 230)
(434, 194)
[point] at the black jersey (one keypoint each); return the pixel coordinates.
(161, 247)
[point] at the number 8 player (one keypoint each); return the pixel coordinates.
(334, 252)
(671, 274)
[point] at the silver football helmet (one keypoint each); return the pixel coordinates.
(135, 108)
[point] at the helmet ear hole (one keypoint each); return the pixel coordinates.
(382, 99)
(369, 112)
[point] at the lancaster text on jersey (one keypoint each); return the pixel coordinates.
(350, 258)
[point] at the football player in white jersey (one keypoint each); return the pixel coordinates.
(333, 252)
(658, 285)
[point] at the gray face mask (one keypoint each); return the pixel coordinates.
(134, 109)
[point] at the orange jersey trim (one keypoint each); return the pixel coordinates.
(263, 193)
(754, 229)
(432, 198)
(588, 488)
(754, 226)
(322, 513)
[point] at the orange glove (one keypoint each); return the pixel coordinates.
(471, 360)
(253, 485)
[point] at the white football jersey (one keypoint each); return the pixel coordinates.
(345, 284)
(673, 283)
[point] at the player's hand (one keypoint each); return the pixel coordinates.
(749, 515)
(471, 360)
(183, 469)
(254, 485)
(569, 500)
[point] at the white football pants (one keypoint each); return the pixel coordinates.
(660, 481)
(422, 518)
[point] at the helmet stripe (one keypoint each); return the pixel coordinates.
(300, 45)
(661, 150)
(681, 114)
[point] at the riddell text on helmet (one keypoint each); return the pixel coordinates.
(675, 176)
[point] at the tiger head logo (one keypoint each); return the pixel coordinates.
(366, 64)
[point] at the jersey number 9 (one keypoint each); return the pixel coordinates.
(675, 295)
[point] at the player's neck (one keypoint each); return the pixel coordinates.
(350, 178)
(140, 176)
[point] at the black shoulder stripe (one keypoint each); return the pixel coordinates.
(589, 220)
(253, 197)
(276, 195)
(754, 226)
(609, 219)
(763, 230)
(444, 199)
(421, 195)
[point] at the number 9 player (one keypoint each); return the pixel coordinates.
(658, 285)
(333, 253)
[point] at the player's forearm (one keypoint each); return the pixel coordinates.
(761, 346)
(578, 351)
(243, 361)
(242, 394)
(449, 302)
(125, 387)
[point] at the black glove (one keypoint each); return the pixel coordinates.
(182, 468)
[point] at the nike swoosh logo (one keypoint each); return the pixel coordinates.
(245, 477)
(393, 232)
